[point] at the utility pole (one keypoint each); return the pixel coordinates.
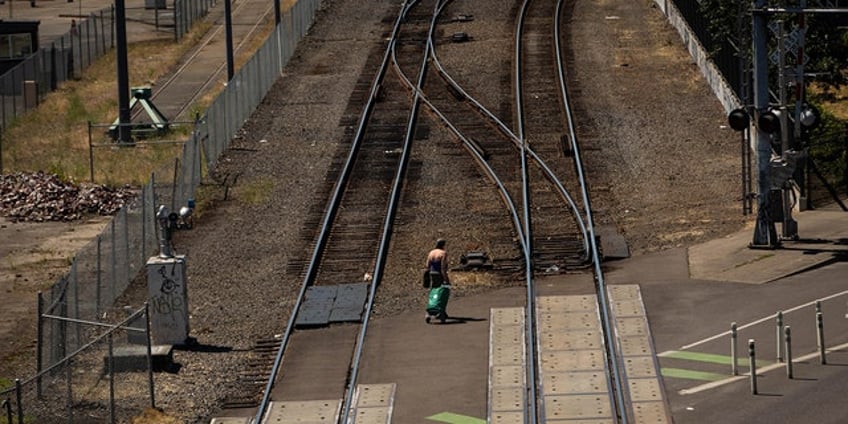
(228, 23)
(123, 72)
(765, 233)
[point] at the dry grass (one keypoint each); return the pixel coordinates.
(154, 416)
(839, 105)
(54, 137)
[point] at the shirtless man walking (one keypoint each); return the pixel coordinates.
(437, 263)
(437, 268)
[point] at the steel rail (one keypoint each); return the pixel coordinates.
(197, 50)
(549, 173)
(329, 215)
(388, 223)
(530, 309)
(470, 146)
(609, 340)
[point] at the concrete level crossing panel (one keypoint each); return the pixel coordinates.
(303, 412)
(373, 403)
(634, 344)
(507, 366)
(575, 383)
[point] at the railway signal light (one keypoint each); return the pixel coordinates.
(738, 119)
(810, 116)
(769, 121)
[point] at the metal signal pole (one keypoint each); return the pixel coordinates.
(765, 233)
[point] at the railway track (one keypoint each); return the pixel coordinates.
(357, 224)
(536, 171)
(183, 93)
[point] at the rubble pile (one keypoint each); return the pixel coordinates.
(40, 197)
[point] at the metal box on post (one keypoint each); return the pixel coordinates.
(166, 283)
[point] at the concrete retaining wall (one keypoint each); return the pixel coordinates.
(714, 78)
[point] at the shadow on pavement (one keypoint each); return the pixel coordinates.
(460, 320)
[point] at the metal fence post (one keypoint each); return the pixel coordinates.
(88, 25)
(63, 324)
(19, 399)
(788, 352)
(75, 282)
(127, 268)
(143, 224)
(752, 361)
(93, 18)
(174, 184)
(103, 32)
(39, 345)
(113, 260)
(111, 380)
(8, 407)
(733, 359)
(90, 155)
(70, 399)
(98, 280)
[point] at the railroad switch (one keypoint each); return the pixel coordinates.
(460, 37)
(475, 260)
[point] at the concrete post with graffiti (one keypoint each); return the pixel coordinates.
(166, 282)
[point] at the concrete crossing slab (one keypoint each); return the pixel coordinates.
(303, 412)
(507, 365)
(575, 386)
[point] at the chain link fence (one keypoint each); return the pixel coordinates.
(187, 12)
(81, 321)
(23, 87)
(82, 386)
